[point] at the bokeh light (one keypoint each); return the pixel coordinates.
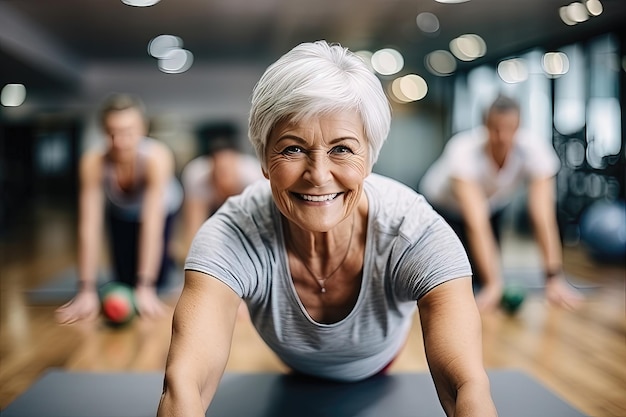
(555, 64)
(13, 95)
(168, 50)
(468, 47)
(440, 63)
(160, 46)
(140, 3)
(387, 61)
(563, 14)
(177, 61)
(594, 7)
(409, 88)
(513, 70)
(577, 12)
(427, 22)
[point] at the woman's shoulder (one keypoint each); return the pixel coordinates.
(92, 162)
(155, 150)
(396, 207)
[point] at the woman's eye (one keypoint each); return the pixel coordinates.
(341, 150)
(292, 150)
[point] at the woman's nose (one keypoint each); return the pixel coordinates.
(318, 170)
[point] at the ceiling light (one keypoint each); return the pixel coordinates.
(13, 95)
(176, 61)
(555, 64)
(162, 44)
(173, 59)
(396, 92)
(140, 3)
(413, 87)
(440, 63)
(594, 7)
(468, 47)
(387, 61)
(565, 16)
(577, 12)
(451, 1)
(427, 22)
(513, 70)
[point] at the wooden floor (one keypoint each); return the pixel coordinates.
(579, 355)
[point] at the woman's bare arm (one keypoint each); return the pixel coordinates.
(202, 332)
(453, 341)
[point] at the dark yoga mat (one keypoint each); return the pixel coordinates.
(65, 394)
(62, 287)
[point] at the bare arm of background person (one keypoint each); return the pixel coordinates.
(542, 211)
(482, 242)
(86, 304)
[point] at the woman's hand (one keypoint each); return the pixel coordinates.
(148, 303)
(84, 306)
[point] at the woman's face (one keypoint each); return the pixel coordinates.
(124, 129)
(316, 168)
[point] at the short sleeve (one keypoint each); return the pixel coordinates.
(462, 156)
(541, 161)
(223, 248)
(436, 257)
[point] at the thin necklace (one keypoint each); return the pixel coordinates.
(322, 282)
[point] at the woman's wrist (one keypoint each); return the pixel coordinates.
(86, 286)
(144, 283)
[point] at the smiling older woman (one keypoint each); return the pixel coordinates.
(331, 259)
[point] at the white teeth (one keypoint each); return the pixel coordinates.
(326, 197)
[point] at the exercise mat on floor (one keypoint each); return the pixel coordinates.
(62, 286)
(81, 394)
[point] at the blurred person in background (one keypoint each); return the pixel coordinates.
(222, 171)
(476, 178)
(130, 185)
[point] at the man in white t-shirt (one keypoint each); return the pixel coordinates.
(475, 179)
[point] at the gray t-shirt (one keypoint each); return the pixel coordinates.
(409, 251)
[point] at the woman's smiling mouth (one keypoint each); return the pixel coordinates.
(317, 198)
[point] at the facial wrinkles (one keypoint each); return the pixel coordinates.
(318, 158)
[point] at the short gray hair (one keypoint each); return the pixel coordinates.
(314, 79)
